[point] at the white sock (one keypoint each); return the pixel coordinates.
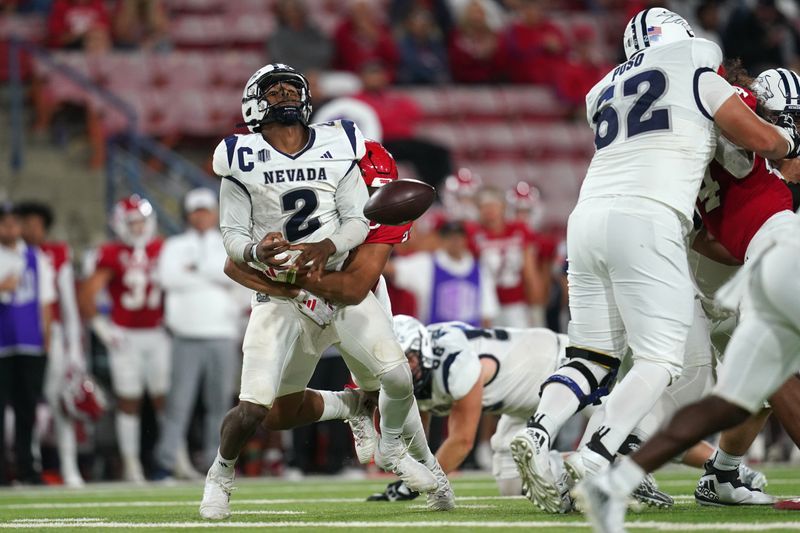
(128, 434)
(557, 405)
(414, 435)
(395, 409)
(625, 476)
(67, 446)
(630, 401)
(224, 466)
(725, 461)
(339, 405)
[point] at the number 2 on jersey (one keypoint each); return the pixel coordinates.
(641, 117)
(303, 202)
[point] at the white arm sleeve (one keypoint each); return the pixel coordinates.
(713, 91)
(235, 218)
(490, 306)
(351, 195)
(173, 268)
(412, 271)
(70, 317)
(736, 160)
(47, 280)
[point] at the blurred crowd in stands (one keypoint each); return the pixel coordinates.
(491, 232)
(563, 44)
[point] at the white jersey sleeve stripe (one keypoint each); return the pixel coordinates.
(696, 87)
(230, 144)
(350, 129)
(643, 22)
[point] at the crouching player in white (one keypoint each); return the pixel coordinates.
(462, 372)
(302, 182)
(654, 120)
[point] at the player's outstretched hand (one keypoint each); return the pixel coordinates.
(395, 492)
(273, 244)
(313, 257)
(786, 123)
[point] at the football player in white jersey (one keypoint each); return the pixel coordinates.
(291, 204)
(655, 119)
(462, 372)
(761, 355)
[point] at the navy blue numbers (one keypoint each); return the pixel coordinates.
(303, 202)
(642, 116)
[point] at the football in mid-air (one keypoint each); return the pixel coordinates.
(399, 202)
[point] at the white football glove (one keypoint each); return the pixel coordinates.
(109, 333)
(317, 309)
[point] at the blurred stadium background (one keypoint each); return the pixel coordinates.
(102, 99)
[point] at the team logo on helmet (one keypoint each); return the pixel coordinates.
(779, 89)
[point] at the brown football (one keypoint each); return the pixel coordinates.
(399, 202)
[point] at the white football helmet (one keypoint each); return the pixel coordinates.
(255, 109)
(415, 340)
(779, 88)
(128, 212)
(458, 194)
(655, 26)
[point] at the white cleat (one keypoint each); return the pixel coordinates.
(365, 436)
(725, 488)
(752, 478)
(604, 509)
(393, 457)
(441, 499)
(132, 471)
(216, 504)
(531, 452)
(73, 480)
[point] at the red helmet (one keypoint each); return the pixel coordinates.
(458, 195)
(131, 210)
(463, 183)
(523, 196)
(82, 399)
(377, 166)
(525, 202)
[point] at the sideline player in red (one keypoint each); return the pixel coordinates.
(507, 250)
(138, 346)
(66, 368)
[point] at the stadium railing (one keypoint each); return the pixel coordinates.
(135, 163)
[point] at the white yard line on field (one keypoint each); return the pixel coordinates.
(235, 502)
(685, 498)
(648, 525)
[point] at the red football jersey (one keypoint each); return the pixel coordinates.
(503, 254)
(59, 255)
(136, 298)
(733, 210)
(383, 234)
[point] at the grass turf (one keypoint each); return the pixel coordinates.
(317, 504)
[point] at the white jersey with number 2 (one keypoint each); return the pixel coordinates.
(653, 123)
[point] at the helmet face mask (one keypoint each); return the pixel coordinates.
(415, 340)
(256, 109)
(654, 27)
(133, 220)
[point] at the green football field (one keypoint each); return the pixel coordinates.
(317, 504)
